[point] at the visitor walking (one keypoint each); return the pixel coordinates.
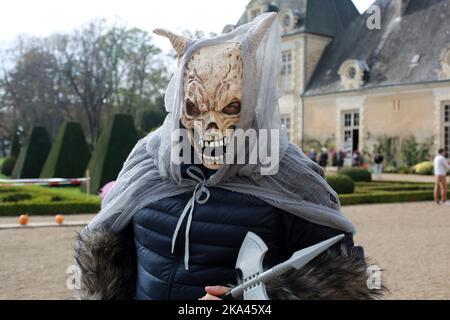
(441, 167)
(323, 158)
(340, 157)
(378, 161)
(357, 160)
(334, 158)
(313, 155)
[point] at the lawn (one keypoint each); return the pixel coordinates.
(388, 192)
(38, 200)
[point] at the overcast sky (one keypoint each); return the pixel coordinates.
(43, 17)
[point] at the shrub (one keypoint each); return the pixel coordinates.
(8, 166)
(69, 155)
(413, 152)
(387, 197)
(357, 174)
(388, 147)
(341, 184)
(112, 149)
(49, 208)
(17, 197)
(46, 201)
(33, 155)
(424, 168)
(390, 169)
(57, 199)
(404, 170)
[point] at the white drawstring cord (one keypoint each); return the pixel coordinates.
(199, 191)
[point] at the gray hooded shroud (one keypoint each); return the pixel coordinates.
(298, 187)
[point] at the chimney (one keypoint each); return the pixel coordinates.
(400, 7)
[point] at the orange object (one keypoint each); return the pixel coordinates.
(23, 219)
(59, 218)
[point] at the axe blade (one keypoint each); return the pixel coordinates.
(251, 256)
(250, 262)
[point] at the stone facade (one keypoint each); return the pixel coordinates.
(344, 83)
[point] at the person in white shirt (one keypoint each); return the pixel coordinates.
(441, 167)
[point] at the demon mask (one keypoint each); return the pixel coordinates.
(212, 84)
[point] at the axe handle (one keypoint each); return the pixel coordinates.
(227, 296)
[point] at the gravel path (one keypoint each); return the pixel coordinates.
(409, 241)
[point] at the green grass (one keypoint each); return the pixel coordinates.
(37, 200)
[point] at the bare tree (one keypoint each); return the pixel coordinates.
(81, 75)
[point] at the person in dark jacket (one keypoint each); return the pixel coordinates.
(312, 155)
(323, 158)
(217, 233)
(172, 224)
(340, 159)
(378, 165)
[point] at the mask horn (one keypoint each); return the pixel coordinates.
(179, 43)
(257, 34)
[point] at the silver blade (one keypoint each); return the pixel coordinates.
(302, 257)
(297, 261)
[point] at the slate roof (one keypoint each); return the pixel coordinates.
(424, 29)
(324, 17)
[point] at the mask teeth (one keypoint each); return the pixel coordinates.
(213, 160)
(213, 144)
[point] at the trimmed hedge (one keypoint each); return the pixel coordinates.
(69, 155)
(35, 200)
(116, 141)
(387, 197)
(49, 208)
(33, 155)
(341, 184)
(357, 174)
(8, 166)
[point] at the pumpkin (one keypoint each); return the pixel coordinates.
(23, 219)
(59, 218)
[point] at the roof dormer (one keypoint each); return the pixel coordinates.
(352, 73)
(255, 8)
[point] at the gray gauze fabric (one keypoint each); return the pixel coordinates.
(298, 188)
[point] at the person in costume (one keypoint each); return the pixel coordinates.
(172, 230)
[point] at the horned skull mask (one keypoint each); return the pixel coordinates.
(212, 100)
(212, 84)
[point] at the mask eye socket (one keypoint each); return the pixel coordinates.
(191, 109)
(232, 109)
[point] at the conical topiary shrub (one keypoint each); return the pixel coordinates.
(10, 162)
(116, 141)
(15, 145)
(33, 154)
(69, 155)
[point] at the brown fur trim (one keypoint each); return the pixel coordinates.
(333, 275)
(107, 263)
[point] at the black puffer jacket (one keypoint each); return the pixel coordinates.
(137, 263)
(216, 234)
